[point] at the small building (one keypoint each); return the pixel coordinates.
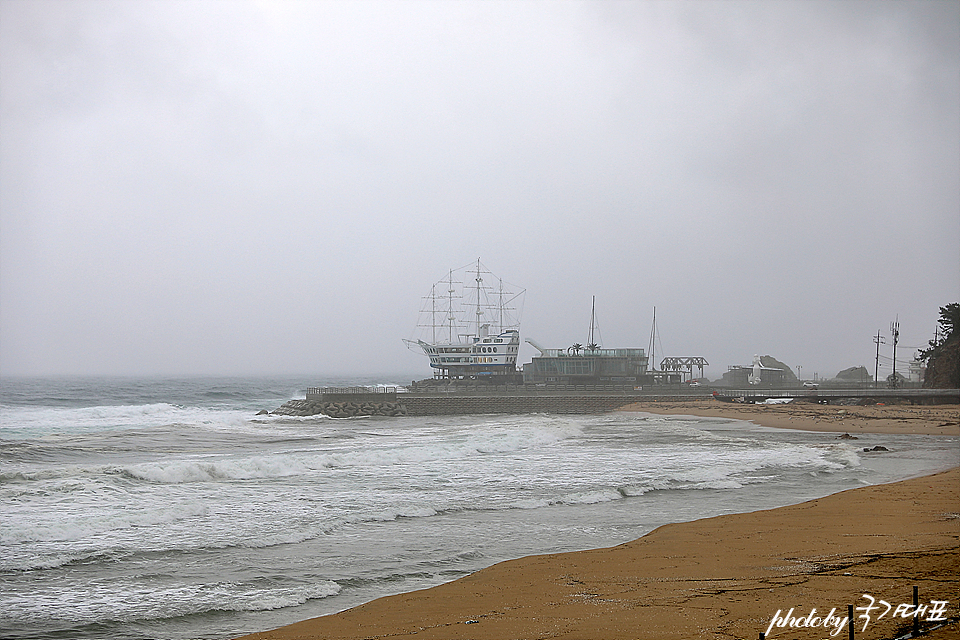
(578, 365)
(740, 376)
(918, 371)
(760, 374)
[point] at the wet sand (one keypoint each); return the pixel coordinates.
(717, 578)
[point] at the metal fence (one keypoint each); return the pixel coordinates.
(316, 391)
(838, 393)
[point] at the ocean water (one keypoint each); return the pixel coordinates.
(165, 508)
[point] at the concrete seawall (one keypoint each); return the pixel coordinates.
(571, 400)
(450, 404)
(425, 405)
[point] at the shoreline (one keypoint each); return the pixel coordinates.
(717, 578)
(931, 420)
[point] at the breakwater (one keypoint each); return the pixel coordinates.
(424, 405)
(418, 405)
(564, 399)
(339, 409)
(352, 402)
(345, 402)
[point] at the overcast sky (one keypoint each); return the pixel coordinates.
(250, 187)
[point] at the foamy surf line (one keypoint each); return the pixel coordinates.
(18, 423)
(696, 574)
(216, 503)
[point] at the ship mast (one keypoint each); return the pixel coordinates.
(451, 319)
(433, 312)
(450, 307)
(500, 308)
(479, 311)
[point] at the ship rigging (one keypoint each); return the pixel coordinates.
(470, 329)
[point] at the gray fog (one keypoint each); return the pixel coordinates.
(267, 187)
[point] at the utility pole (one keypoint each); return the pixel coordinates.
(895, 331)
(876, 367)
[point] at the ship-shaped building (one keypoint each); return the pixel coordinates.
(470, 326)
(470, 331)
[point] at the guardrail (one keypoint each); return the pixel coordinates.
(678, 392)
(527, 388)
(825, 394)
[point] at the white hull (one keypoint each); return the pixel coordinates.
(489, 355)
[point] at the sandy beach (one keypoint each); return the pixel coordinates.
(938, 420)
(717, 578)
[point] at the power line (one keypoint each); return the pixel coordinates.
(876, 368)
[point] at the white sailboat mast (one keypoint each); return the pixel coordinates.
(593, 317)
(653, 334)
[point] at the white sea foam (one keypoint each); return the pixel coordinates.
(592, 497)
(211, 469)
(131, 600)
(150, 510)
(179, 471)
(52, 422)
(85, 520)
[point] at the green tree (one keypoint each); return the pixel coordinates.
(949, 319)
(943, 356)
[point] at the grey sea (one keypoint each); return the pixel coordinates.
(166, 508)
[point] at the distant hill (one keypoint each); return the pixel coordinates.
(855, 374)
(773, 363)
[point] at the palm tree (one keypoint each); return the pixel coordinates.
(576, 347)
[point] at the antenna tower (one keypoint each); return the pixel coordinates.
(895, 331)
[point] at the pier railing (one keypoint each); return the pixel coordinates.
(352, 394)
(316, 391)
